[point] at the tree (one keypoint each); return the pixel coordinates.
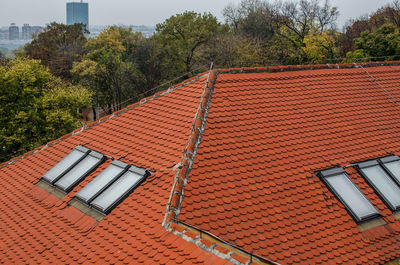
(184, 34)
(3, 59)
(353, 30)
(389, 14)
(281, 27)
(58, 47)
(108, 70)
(153, 62)
(252, 18)
(303, 17)
(385, 41)
(35, 107)
(234, 50)
(320, 47)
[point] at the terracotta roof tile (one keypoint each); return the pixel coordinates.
(266, 134)
(40, 228)
(257, 135)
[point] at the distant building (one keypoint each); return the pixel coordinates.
(78, 12)
(26, 32)
(36, 30)
(13, 32)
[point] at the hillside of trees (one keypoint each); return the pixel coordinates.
(61, 71)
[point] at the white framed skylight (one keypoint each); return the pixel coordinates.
(339, 183)
(392, 166)
(73, 168)
(119, 190)
(102, 181)
(68, 162)
(79, 171)
(381, 182)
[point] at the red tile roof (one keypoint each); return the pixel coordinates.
(39, 228)
(253, 181)
(235, 161)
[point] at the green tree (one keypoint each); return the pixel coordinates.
(108, 70)
(235, 50)
(321, 46)
(282, 26)
(153, 62)
(58, 47)
(3, 59)
(184, 34)
(35, 107)
(383, 42)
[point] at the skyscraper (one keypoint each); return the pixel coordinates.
(78, 12)
(26, 32)
(13, 32)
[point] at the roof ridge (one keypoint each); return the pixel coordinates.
(106, 118)
(187, 159)
(288, 68)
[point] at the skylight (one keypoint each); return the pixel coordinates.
(392, 165)
(73, 168)
(102, 181)
(111, 186)
(359, 207)
(381, 182)
(65, 164)
(80, 171)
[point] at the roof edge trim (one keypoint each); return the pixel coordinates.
(213, 244)
(185, 165)
(288, 68)
(105, 118)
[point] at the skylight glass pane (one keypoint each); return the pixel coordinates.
(351, 196)
(99, 183)
(77, 173)
(116, 191)
(384, 185)
(394, 168)
(62, 166)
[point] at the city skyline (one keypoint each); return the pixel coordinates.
(148, 13)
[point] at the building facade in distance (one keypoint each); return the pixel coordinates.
(26, 32)
(35, 30)
(13, 32)
(78, 12)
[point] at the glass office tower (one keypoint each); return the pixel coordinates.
(78, 12)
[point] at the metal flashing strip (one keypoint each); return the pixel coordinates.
(388, 159)
(200, 237)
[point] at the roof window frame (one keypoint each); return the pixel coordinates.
(87, 152)
(372, 163)
(324, 174)
(101, 158)
(79, 148)
(387, 159)
(125, 167)
(137, 170)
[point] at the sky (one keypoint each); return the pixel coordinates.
(144, 12)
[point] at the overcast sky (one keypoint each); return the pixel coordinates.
(143, 12)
